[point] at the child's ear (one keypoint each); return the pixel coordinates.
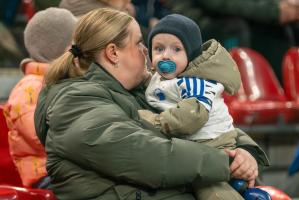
(111, 52)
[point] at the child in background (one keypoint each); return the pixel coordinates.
(46, 37)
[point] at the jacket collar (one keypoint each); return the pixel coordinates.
(211, 54)
(97, 73)
(30, 66)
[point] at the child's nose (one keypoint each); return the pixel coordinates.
(166, 55)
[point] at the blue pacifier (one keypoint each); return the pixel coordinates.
(166, 66)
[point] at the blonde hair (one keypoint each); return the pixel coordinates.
(94, 32)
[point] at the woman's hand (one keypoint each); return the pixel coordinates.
(244, 165)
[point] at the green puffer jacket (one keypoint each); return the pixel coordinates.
(99, 148)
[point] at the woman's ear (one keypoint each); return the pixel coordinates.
(111, 53)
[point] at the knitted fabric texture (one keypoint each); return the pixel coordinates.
(182, 27)
(49, 33)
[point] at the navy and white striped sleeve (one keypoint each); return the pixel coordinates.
(203, 90)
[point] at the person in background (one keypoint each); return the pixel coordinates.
(46, 37)
(97, 145)
(8, 11)
(79, 7)
(148, 13)
(42, 4)
(291, 185)
(9, 47)
(268, 26)
(10, 50)
(292, 182)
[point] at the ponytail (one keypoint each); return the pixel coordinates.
(63, 68)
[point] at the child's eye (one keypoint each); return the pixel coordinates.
(177, 49)
(159, 49)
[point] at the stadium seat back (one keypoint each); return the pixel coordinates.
(290, 71)
(261, 99)
(258, 79)
(20, 193)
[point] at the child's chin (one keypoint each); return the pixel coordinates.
(168, 76)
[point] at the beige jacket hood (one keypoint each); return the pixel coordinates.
(215, 63)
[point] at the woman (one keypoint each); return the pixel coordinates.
(97, 145)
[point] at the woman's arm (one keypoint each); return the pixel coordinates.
(106, 140)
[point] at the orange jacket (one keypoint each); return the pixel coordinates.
(26, 150)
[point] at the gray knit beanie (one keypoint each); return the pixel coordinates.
(182, 27)
(49, 33)
(81, 7)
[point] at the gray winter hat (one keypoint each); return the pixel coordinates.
(49, 33)
(182, 27)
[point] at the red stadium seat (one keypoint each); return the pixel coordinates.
(261, 99)
(8, 173)
(10, 181)
(275, 193)
(18, 193)
(27, 9)
(290, 71)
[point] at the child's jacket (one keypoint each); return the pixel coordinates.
(25, 148)
(215, 63)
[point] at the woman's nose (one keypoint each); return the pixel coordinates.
(145, 51)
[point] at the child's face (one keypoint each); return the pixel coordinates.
(168, 47)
